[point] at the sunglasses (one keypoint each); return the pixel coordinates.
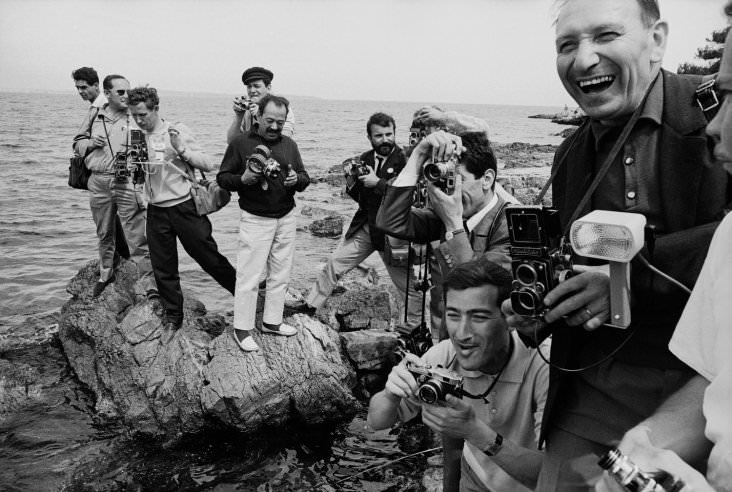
(120, 92)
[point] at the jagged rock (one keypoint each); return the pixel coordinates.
(201, 379)
(356, 306)
(370, 350)
(330, 226)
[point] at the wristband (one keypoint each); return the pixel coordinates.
(494, 448)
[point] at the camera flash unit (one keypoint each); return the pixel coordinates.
(615, 237)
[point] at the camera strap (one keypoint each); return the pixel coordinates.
(484, 396)
(603, 169)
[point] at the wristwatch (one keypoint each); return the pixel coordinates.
(452, 234)
(494, 448)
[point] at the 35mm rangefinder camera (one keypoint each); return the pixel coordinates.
(435, 383)
(262, 163)
(355, 167)
(541, 259)
(441, 174)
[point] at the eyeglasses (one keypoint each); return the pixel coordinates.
(121, 92)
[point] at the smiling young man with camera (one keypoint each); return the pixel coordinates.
(482, 386)
(267, 228)
(113, 192)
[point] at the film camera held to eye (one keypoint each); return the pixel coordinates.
(541, 259)
(262, 163)
(129, 162)
(435, 383)
(442, 174)
(355, 167)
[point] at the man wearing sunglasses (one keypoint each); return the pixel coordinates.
(113, 193)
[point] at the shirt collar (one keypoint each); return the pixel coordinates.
(473, 221)
(652, 111)
(100, 101)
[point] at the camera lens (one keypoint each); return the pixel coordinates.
(430, 392)
(434, 171)
(525, 302)
(526, 274)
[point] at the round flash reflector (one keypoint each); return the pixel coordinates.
(611, 236)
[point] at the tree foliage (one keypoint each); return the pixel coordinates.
(709, 56)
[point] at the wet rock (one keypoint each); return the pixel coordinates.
(200, 379)
(330, 226)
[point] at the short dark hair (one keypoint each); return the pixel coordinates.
(107, 83)
(478, 156)
(650, 12)
(381, 119)
(477, 273)
(276, 100)
(728, 9)
(148, 95)
(87, 74)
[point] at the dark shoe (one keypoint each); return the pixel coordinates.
(304, 308)
(170, 328)
(101, 285)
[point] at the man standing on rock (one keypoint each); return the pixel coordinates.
(267, 229)
(113, 192)
(86, 81)
(465, 222)
(258, 82)
(603, 382)
(497, 414)
(383, 162)
(173, 156)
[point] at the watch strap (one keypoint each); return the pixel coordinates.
(495, 447)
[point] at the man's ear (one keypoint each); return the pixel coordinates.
(488, 178)
(659, 37)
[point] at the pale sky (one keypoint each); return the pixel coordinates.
(456, 51)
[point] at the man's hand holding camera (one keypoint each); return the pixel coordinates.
(449, 208)
(455, 418)
(242, 104)
(401, 383)
(369, 180)
(291, 178)
(583, 299)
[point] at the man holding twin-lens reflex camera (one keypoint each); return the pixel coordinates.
(482, 387)
(113, 190)
(609, 57)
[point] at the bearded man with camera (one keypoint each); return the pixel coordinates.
(106, 146)
(463, 217)
(265, 168)
(366, 179)
(483, 386)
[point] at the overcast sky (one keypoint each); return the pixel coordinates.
(472, 51)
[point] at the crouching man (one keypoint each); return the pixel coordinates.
(504, 384)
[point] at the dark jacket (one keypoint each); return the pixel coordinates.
(693, 192)
(277, 200)
(369, 199)
(398, 218)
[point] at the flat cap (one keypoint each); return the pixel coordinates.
(256, 73)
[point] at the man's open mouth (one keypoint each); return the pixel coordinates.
(596, 84)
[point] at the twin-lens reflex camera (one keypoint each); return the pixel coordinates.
(541, 258)
(435, 383)
(129, 162)
(627, 474)
(262, 163)
(414, 340)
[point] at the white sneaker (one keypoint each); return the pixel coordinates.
(248, 344)
(285, 330)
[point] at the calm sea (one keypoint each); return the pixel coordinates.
(48, 438)
(46, 230)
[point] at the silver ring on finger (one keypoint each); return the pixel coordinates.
(589, 313)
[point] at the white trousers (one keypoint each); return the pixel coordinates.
(265, 244)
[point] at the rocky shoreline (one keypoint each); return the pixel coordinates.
(201, 382)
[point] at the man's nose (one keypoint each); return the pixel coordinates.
(586, 56)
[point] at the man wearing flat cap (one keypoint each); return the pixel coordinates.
(258, 81)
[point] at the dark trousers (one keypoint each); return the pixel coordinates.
(121, 247)
(164, 225)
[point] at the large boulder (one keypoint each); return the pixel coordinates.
(200, 379)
